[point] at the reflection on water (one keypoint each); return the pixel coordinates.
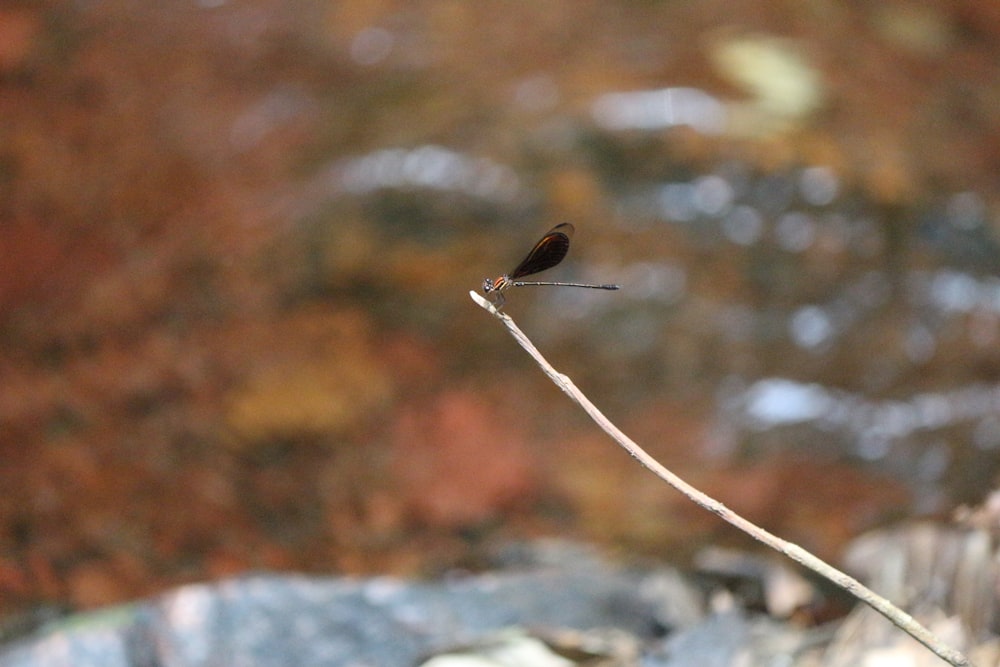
(657, 109)
(431, 167)
(955, 292)
(774, 402)
(807, 303)
(797, 211)
(824, 272)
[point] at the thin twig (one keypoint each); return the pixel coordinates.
(898, 617)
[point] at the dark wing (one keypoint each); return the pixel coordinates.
(548, 252)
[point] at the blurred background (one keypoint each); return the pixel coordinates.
(237, 240)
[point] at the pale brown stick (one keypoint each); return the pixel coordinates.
(898, 617)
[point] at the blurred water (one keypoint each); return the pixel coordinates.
(242, 235)
(842, 316)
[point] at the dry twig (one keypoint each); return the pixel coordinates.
(896, 615)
